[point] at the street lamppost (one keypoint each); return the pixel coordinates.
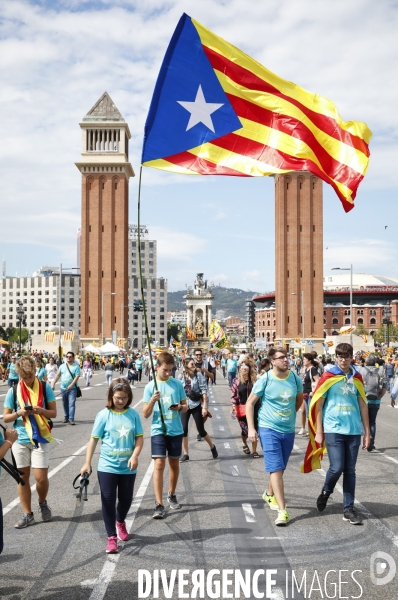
(102, 319)
(387, 323)
(59, 306)
(21, 320)
(302, 308)
(350, 270)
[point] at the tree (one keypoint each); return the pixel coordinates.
(361, 330)
(14, 337)
(173, 330)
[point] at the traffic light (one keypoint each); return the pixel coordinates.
(138, 306)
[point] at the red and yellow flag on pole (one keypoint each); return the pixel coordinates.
(190, 334)
(216, 111)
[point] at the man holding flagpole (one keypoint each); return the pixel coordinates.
(338, 411)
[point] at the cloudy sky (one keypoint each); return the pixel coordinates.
(57, 57)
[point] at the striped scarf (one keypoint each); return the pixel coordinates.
(315, 451)
(36, 425)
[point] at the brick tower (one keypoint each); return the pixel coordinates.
(299, 255)
(105, 170)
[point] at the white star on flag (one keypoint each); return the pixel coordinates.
(123, 432)
(200, 110)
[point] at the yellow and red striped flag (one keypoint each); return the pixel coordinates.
(330, 343)
(69, 336)
(216, 111)
(49, 336)
(190, 334)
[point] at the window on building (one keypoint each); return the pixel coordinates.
(47, 300)
(71, 292)
(153, 294)
(335, 321)
(11, 294)
(46, 293)
(47, 316)
(161, 302)
(39, 292)
(135, 332)
(39, 300)
(161, 310)
(71, 323)
(161, 341)
(161, 294)
(360, 321)
(17, 294)
(25, 293)
(162, 317)
(71, 316)
(346, 321)
(150, 270)
(133, 262)
(39, 324)
(54, 292)
(39, 331)
(39, 316)
(373, 321)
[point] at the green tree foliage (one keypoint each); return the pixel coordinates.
(14, 335)
(173, 330)
(361, 330)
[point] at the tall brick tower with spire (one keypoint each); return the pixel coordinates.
(106, 171)
(298, 255)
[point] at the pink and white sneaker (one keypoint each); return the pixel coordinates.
(122, 531)
(111, 547)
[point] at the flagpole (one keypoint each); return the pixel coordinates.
(148, 341)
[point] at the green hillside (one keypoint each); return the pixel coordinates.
(230, 300)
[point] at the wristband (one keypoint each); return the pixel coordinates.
(8, 442)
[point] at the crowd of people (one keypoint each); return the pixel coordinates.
(339, 398)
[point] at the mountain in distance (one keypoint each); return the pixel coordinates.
(230, 300)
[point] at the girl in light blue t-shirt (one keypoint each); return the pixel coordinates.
(119, 428)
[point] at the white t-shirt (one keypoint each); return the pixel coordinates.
(52, 370)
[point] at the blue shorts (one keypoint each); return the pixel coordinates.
(166, 445)
(277, 448)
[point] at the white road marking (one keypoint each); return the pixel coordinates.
(138, 402)
(213, 401)
(218, 417)
(216, 409)
(386, 456)
(249, 513)
(235, 470)
(51, 473)
(88, 583)
(226, 445)
(101, 584)
(221, 428)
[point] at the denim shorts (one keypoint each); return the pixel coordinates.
(166, 445)
(277, 448)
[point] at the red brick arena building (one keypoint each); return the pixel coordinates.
(370, 295)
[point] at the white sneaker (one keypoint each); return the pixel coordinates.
(302, 431)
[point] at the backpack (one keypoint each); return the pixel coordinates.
(44, 386)
(371, 379)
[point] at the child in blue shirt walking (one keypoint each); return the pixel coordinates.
(119, 428)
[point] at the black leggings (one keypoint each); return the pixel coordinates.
(139, 371)
(109, 483)
(197, 415)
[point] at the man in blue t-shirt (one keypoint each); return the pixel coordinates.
(232, 365)
(165, 404)
(69, 373)
(281, 394)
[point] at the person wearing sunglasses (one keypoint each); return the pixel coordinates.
(281, 393)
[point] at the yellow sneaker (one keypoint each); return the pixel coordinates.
(283, 518)
(271, 501)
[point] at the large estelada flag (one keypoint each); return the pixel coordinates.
(216, 111)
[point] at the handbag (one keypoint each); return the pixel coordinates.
(240, 410)
(78, 390)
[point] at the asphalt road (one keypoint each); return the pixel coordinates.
(223, 523)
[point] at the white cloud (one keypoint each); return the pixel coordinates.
(57, 58)
(372, 256)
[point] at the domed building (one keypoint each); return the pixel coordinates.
(370, 296)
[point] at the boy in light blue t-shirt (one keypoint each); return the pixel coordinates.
(165, 404)
(281, 394)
